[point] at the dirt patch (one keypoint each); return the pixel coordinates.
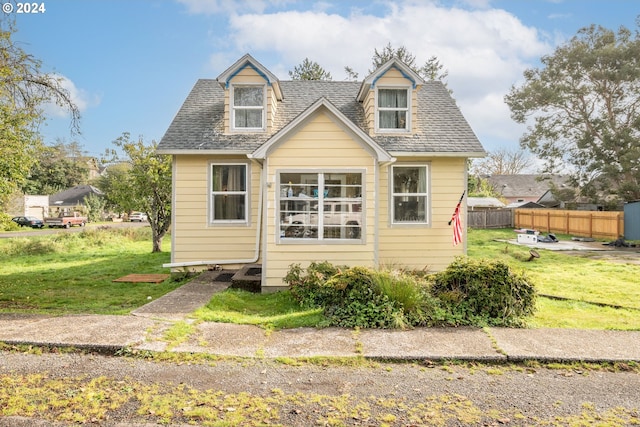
(622, 256)
(143, 278)
(590, 250)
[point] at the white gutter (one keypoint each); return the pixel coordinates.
(474, 154)
(256, 254)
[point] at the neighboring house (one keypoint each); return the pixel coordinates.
(94, 167)
(525, 205)
(71, 199)
(479, 203)
(525, 188)
(283, 172)
(29, 205)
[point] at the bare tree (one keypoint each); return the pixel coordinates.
(502, 162)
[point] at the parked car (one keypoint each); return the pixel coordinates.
(341, 219)
(28, 221)
(138, 217)
(66, 220)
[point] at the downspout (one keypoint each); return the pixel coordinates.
(377, 171)
(256, 254)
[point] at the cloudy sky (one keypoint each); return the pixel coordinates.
(129, 64)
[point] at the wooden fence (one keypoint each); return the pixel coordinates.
(606, 225)
(490, 218)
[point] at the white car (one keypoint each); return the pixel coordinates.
(138, 217)
(341, 219)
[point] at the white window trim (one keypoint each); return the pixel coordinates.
(321, 240)
(407, 129)
(232, 108)
(247, 193)
(427, 214)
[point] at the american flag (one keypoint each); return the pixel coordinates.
(457, 226)
(457, 222)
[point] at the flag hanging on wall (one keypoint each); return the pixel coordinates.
(456, 220)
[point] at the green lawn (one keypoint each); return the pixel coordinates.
(73, 272)
(580, 279)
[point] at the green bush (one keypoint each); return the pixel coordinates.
(6, 224)
(484, 292)
(309, 287)
(468, 292)
(362, 297)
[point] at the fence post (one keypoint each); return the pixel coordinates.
(548, 221)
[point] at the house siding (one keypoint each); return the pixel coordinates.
(194, 238)
(320, 145)
(420, 246)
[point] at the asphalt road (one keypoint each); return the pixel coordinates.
(47, 230)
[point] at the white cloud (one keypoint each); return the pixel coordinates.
(484, 49)
(79, 97)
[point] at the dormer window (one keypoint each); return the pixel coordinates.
(248, 107)
(393, 109)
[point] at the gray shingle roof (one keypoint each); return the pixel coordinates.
(199, 124)
(73, 196)
(526, 185)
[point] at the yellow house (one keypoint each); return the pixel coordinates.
(277, 172)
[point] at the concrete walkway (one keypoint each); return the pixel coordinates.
(146, 327)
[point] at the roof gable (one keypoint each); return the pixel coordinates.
(248, 61)
(323, 105)
(406, 71)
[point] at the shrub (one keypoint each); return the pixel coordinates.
(468, 292)
(6, 224)
(484, 292)
(356, 301)
(309, 287)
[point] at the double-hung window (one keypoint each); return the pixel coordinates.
(320, 206)
(248, 107)
(229, 196)
(410, 194)
(393, 109)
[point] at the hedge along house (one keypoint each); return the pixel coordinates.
(281, 172)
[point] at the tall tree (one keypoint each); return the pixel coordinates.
(113, 183)
(146, 186)
(24, 89)
(502, 162)
(309, 70)
(583, 109)
(57, 168)
(432, 69)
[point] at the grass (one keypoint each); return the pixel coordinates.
(273, 311)
(72, 273)
(580, 280)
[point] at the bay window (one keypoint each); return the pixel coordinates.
(324, 206)
(410, 197)
(229, 195)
